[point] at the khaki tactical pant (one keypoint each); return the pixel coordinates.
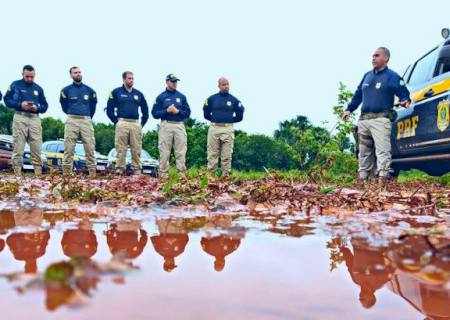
(220, 144)
(172, 133)
(128, 133)
(78, 128)
(27, 127)
(374, 142)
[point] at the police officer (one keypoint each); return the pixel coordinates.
(28, 100)
(172, 108)
(376, 92)
(222, 109)
(123, 110)
(78, 101)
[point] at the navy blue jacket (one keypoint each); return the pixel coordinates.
(20, 91)
(223, 108)
(78, 99)
(377, 90)
(1, 96)
(125, 104)
(164, 100)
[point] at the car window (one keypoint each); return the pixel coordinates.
(60, 147)
(145, 155)
(52, 147)
(79, 149)
(443, 63)
(423, 69)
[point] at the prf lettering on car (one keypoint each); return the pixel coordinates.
(407, 128)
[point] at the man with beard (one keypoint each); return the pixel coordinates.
(123, 110)
(28, 100)
(78, 101)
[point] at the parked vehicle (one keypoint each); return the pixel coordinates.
(149, 165)
(421, 134)
(54, 153)
(6, 149)
(27, 163)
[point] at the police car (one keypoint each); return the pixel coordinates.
(54, 154)
(6, 149)
(421, 134)
(149, 165)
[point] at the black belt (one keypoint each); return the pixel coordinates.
(391, 115)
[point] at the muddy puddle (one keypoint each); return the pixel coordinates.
(154, 262)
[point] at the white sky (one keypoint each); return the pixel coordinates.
(283, 58)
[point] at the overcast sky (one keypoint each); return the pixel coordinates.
(283, 58)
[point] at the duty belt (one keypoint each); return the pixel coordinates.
(128, 120)
(391, 115)
(27, 114)
(222, 124)
(74, 116)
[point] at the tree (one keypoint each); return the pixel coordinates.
(104, 137)
(287, 129)
(6, 118)
(52, 129)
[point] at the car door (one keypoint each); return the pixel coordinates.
(419, 130)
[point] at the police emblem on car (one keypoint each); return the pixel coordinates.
(443, 116)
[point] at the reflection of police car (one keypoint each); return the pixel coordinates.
(149, 165)
(421, 134)
(54, 153)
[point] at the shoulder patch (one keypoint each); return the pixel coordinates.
(402, 82)
(63, 95)
(111, 95)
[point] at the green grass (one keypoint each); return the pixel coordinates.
(298, 175)
(417, 175)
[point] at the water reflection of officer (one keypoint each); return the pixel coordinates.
(28, 247)
(126, 237)
(80, 242)
(422, 280)
(170, 242)
(219, 247)
(368, 268)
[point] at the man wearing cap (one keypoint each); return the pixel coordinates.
(123, 110)
(78, 101)
(172, 108)
(376, 93)
(28, 100)
(222, 109)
